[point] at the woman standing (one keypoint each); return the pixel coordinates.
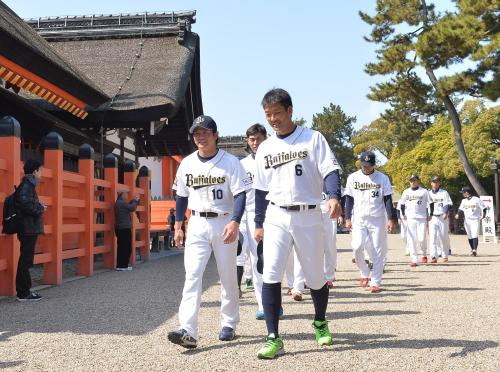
(123, 229)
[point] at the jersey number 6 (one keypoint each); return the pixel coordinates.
(298, 170)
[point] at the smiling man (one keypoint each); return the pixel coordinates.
(212, 184)
(291, 168)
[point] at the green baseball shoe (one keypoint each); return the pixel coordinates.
(322, 333)
(272, 348)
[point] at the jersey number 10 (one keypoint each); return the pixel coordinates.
(217, 194)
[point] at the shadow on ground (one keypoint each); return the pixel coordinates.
(353, 341)
(127, 303)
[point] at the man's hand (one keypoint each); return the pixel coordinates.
(348, 224)
(429, 218)
(178, 234)
(230, 233)
(259, 234)
(445, 216)
(390, 225)
(334, 208)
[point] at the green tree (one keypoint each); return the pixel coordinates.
(412, 35)
(337, 128)
(299, 122)
(436, 155)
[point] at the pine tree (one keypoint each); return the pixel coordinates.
(413, 36)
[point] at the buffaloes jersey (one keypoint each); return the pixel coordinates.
(292, 169)
(210, 186)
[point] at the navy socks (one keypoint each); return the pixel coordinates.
(320, 300)
(239, 274)
(271, 302)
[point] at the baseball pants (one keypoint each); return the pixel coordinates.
(404, 233)
(330, 239)
(439, 240)
(205, 237)
(472, 226)
(247, 228)
(294, 273)
(302, 230)
(373, 230)
(415, 239)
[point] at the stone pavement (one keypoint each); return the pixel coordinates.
(440, 317)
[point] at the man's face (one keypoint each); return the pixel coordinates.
(254, 141)
(367, 169)
(205, 139)
(279, 118)
(466, 194)
(38, 173)
(414, 183)
(435, 185)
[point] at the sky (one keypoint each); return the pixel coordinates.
(315, 50)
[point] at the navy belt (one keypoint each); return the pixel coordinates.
(206, 214)
(296, 207)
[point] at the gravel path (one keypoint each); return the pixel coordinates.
(441, 317)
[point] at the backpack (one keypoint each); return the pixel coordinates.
(10, 222)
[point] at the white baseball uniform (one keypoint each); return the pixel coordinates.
(247, 228)
(330, 240)
(370, 220)
(439, 240)
(416, 203)
(210, 187)
(292, 170)
(473, 211)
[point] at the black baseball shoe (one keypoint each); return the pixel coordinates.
(182, 338)
(227, 334)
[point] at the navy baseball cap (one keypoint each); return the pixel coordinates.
(414, 177)
(367, 158)
(203, 121)
(466, 189)
(436, 179)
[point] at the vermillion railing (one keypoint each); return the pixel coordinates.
(79, 220)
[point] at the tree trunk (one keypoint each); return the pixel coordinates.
(455, 119)
(457, 131)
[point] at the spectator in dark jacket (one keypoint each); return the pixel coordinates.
(30, 212)
(123, 229)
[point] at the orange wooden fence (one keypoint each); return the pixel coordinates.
(74, 201)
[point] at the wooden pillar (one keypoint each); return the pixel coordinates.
(86, 169)
(145, 216)
(10, 159)
(53, 161)
(110, 175)
(129, 178)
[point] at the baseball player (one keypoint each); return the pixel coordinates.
(414, 205)
(369, 193)
(439, 241)
(291, 168)
(256, 134)
(473, 210)
(212, 184)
